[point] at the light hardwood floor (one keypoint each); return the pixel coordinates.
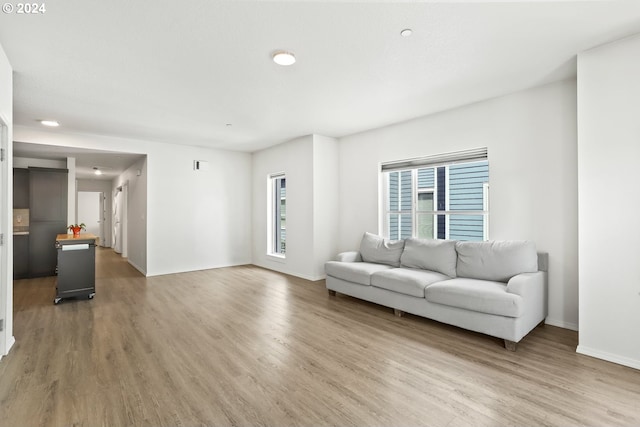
(247, 346)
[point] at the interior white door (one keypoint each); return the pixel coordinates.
(124, 233)
(117, 226)
(89, 212)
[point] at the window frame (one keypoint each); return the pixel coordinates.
(274, 217)
(386, 212)
(419, 212)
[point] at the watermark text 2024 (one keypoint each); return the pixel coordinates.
(24, 8)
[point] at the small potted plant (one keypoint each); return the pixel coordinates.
(76, 229)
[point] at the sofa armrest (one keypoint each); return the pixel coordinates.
(525, 284)
(352, 256)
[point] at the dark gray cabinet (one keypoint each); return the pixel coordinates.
(42, 249)
(20, 188)
(76, 268)
(48, 194)
(48, 218)
(20, 256)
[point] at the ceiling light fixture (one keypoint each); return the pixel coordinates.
(50, 123)
(284, 58)
(406, 32)
(97, 171)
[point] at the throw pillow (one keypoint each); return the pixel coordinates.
(497, 260)
(378, 250)
(430, 254)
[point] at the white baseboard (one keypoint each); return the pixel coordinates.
(276, 267)
(609, 357)
(12, 341)
(210, 267)
(140, 269)
(561, 324)
(310, 278)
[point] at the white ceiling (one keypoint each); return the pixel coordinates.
(180, 71)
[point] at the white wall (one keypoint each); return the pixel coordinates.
(609, 175)
(71, 191)
(295, 159)
(102, 186)
(6, 184)
(309, 164)
(136, 212)
(531, 140)
(326, 185)
(195, 220)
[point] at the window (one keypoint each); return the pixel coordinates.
(439, 197)
(278, 215)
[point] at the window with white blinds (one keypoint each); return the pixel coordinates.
(277, 216)
(440, 197)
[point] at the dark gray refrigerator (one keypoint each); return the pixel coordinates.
(76, 268)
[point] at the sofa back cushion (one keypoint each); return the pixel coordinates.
(498, 260)
(376, 249)
(430, 254)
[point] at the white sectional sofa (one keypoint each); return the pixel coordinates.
(498, 288)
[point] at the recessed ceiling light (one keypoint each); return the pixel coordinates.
(281, 57)
(406, 32)
(97, 171)
(51, 123)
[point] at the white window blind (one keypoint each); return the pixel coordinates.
(476, 154)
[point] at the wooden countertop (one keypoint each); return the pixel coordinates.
(83, 236)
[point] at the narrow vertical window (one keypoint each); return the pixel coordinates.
(278, 215)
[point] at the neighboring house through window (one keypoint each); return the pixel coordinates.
(437, 197)
(277, 215)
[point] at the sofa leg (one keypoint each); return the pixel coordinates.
(510, 345)
(398, 313)
(331, 292)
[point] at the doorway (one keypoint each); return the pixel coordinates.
(120, 220)
(91, 212)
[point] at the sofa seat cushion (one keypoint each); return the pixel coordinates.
(356, 272)
(408, 281)
(497, 260)
(477, 295)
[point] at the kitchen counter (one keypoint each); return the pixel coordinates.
(20, 230)
(82, 237)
